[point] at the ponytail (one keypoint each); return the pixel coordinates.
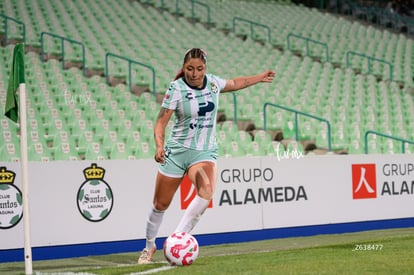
(179, 74)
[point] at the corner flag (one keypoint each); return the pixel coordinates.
(16, 78)
(17, 112)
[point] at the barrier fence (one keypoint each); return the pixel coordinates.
(62, 40)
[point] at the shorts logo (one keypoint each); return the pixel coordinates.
(188, 192)
(364, 182)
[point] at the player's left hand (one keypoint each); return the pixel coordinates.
(268, 76)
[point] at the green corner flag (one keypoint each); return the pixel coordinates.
(16, 77)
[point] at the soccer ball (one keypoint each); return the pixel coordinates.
(181, 248)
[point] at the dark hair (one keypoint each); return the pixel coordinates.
(195, 53)
(192, 53)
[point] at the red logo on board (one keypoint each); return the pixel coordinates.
(188, 192)
(364, 181)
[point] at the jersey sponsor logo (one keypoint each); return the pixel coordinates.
(189, 96)
(206, 108)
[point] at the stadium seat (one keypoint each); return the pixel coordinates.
(295, 148)
(109, 138)
(255, 148)
(95, 152)
(275, 148)
(65, 151)
(144, 150)
(10, 152)
(242, 137)
(262, 136)
(235, 150)
(10, 136)
(39, 152)
(229, 126)
(223, 137)
(120, 151)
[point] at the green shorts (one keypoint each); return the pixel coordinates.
(178, 159)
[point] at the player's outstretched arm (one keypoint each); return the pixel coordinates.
(246, 81)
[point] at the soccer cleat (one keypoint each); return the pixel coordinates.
(146, 255)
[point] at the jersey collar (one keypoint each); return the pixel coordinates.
(195, 87)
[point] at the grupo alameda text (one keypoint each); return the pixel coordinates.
(400, 179)
(256, 194)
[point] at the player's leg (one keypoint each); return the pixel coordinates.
(203, 176)
(165, 188)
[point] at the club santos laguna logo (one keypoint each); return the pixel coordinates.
(95, 198)
(11, 202)
(371, 180)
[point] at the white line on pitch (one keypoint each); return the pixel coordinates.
(155, 270)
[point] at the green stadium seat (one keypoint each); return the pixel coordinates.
(39, 152)
(133, 138)
(223, 137)
(146, 129)
(109, 138)
(295, 148)
(262, 136)
(84, 140)
(275, 148)
(120, 151)
(10, 152)
(65, 151)
(255, 148)
(229, 126)
(95, 152)
(10, 137)
(242, 137)
(144, 150)
(233, 149)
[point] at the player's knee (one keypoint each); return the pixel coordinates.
(161, 206)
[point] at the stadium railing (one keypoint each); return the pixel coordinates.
(62, 41)
(296, 126)
(402, 140)
(370, 59)
(194, 4)
(307, 41)
(252, 25)
(130, 62)
(7, 35)
(193, 10)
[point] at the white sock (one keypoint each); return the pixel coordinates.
(153, 224)
(192, 214)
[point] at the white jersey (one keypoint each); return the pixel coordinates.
(195, 112)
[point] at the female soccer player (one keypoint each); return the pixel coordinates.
(191, 147)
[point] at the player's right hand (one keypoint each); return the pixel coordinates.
(160, 155)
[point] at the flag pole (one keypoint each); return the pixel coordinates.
(25, 179)
(13, 111)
